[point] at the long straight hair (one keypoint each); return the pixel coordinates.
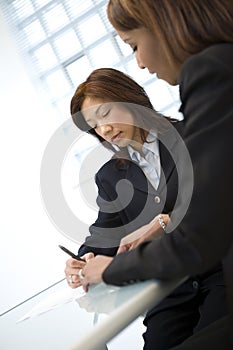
(183, 27)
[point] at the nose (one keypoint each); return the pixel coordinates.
(140, 65)
(104, 129)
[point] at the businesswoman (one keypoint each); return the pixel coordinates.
(189, 43)
(108, 105)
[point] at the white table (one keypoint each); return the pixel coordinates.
(71, 325)
(128, 303)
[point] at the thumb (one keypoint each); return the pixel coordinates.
(88, 256)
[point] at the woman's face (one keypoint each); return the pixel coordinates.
(149, 53)
(112, 121)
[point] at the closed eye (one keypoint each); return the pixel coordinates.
(105, 114)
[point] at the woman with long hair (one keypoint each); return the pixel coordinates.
(190, 43)
(113, 108)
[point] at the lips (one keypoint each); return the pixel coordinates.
(115, 137)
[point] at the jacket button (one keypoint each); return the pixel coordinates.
(157, 199)
(195, 284)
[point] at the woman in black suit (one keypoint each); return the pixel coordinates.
(104, 105)
(189, 43)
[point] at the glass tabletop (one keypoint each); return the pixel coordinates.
(73, 318)
(54, 329)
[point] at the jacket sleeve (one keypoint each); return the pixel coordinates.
(108, 229)
(203, 237)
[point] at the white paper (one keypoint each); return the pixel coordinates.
(53, 300)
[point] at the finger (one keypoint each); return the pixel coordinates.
(123, 248)
(83, 281)
(133, 246)
(85, 285)
(88, 256)
(72, 266)
(74, 285)
(76, 279)
(73, 281)
(73, 263)
(76, 263)
(71, 271)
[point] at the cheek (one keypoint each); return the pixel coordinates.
(151, 50)
(151, 55)
(98, 132)
(125, 118)
(120, 118)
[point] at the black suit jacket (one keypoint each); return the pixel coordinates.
(205, 235)
(123, 210)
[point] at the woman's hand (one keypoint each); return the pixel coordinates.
(93, 270)
(73, 268)
(144, 233)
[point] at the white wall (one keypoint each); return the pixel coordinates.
(30, 258)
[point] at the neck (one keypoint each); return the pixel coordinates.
(138, 142)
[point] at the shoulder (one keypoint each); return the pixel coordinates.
(108, 168)
(117, 168)
(220, 55)
(114, 168)
(207, 77)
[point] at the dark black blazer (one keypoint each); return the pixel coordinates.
(205, 235)
(137, 202)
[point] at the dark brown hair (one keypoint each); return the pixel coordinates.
(183, 27)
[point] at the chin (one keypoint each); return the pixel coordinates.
(170, 81)
(173, 83)
(122, 144)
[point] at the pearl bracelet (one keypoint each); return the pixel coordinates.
(161, 222)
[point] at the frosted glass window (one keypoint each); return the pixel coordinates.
(79, 70)
(125, 49)
(161, 94)
(67, 44)
(45, 57)
(142, 74)
(56, 18)
(75, 37)
(104, 19)
(104, 55)
(23, 8)
(77, 8)
(34, 33)
(41, 3)
(91, 29)
(63, 106)
(58, 84)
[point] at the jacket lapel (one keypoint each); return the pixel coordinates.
(167, 141)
